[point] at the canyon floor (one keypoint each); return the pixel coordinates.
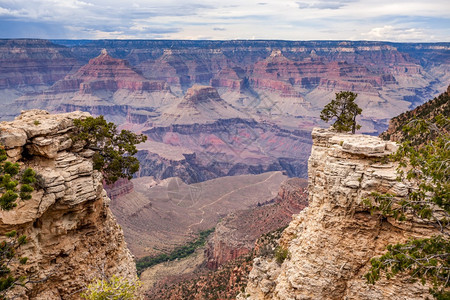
(156, 218)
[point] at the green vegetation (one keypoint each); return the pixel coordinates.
(345, 110)
(113, 150)
(14, 183)
(424, 159)
(227, 281)
(114, 288)
(281, 254)
(427, 111)
(183, 251)
(8, 250)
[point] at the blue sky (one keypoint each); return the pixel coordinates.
(387, 20)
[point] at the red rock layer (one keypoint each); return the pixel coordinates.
(121, 187)
(107, 73)
(280, 74)
(33, 63)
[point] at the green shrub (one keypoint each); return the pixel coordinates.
(113, 150)
(281, 254)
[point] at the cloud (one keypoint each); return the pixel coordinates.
(389, 33)
(153, 29)
(324, 4)
(233, 19)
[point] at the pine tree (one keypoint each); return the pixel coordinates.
(345, 110)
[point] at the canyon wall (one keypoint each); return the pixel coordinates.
(236, 234)
(331, 242)
(72, 235)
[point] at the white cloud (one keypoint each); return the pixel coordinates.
(389, 33)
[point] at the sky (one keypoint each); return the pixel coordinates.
(376, 20)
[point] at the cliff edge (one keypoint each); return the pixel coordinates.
(331, 242)
(73, 236)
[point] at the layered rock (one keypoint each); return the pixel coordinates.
(287, 83)
(201, 104)
(107, 73)
(330, 243)
(237, 233)
(31, 66)
(164, 161)
(181, 68)
(119, 188)
(230, 147)
(106, 85)
(72, 235)
(33, 63)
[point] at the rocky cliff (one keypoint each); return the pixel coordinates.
(262, 78)
(331, 242)
(201, 104)
(73, 236)
(427, 111)
(227, 147)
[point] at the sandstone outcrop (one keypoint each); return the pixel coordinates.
(331, 242)
(73, 236)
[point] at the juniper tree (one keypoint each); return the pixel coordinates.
(113, 150)
(345, 110)
(426, 163)
(14, 183)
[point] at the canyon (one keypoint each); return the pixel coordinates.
(227, 123)
(157, 216)
(223, 108)
(229, 248)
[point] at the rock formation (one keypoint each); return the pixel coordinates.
(228, 147)
(159, 216)
(201, 104)
(331, 242)
(106, 85)
(236, 234)
(107, 73)
(31, 66)
(427, 111)
(73, 236)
